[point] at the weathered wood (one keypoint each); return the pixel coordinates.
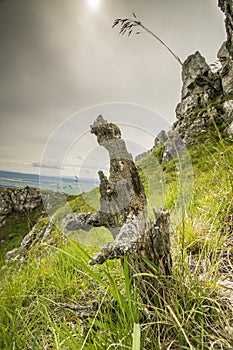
(123, 210)
(122, 195)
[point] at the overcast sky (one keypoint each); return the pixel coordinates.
(60, 57)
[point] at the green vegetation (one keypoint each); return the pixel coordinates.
(16, 227)
(194, 313)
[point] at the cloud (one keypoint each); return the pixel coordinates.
(58, 59)
(47, 166)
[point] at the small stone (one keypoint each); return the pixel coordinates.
(11, 253)
(229, 130)
(228, 110)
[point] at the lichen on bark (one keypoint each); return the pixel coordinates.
(123, 210)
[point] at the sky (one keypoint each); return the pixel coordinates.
(62, 64)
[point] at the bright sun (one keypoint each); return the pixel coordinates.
(94, 4)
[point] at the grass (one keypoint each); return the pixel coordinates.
(194, 313)
(16, 227)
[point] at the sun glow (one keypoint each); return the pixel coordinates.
(94, 4)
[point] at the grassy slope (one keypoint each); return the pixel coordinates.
(16, 227)
(192, 315)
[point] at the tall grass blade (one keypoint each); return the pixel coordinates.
(136, 337)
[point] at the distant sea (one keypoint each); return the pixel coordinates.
(69, 185)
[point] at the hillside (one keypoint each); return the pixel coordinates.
(36, 296)
(51, 298)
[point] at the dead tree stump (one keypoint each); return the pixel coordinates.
(123, 210)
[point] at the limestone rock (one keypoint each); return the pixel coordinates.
(229, 130)
(226, 72)
(174, 147)
(40, 233)
(142, 155)
(18, 200)
(206, 96)
(6, 205)
(12, 254)
(200, 88)
(227, 77)
(200, 85)
(228, 110)
(2, 220)
(225, 53)
(27, 199)
(161, 138)
(227, 7)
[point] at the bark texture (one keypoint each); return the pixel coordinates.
(123, 210)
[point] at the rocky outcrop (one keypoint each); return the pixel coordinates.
(142, 155)
(206, 98)
(27, 199)
(160, 139)
(226, 72)
(228, 112)
(229, 130)
(41, 233)
(200, 85)
(225, 54)
(227, 7)
(18, 200)
(198, 108)
(174, 146)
